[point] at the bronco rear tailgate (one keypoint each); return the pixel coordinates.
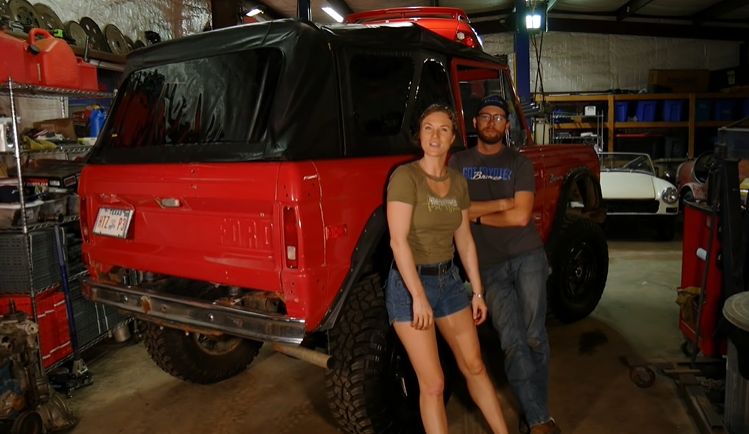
(196, 221)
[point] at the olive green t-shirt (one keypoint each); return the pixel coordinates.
(435, 219)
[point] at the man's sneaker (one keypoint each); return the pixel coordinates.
(549, 427)
(523, 425)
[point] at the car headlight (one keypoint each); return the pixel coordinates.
(670, 195)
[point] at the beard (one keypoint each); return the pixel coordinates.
(490, 136)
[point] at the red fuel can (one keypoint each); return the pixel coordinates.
(14, 62)
(53, 61)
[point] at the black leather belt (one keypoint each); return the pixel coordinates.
(431, 270)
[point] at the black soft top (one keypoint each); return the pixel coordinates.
(303, 119)
(288, 33)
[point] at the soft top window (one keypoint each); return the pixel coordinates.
(213, 102)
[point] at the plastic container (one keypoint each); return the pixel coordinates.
(646, 111)
(53, 60)
(87, 76)
(702, 110)
(621, 108)
(14, 62)
(673, 111)
(736, 409)
(724, 109)
(10, 213)
(96, 121)
(54, 207)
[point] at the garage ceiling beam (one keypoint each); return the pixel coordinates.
(631, 8)
(341, 7)
(611, 27)
(717, 10)
(550, 5)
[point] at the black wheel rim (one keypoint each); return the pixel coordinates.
(579, 270)
(216, 346)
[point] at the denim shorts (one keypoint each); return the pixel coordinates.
(446, 294)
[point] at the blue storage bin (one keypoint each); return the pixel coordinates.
(724, 109)
(646, 111)
(622, 107)
(702, 110)
(673, 111)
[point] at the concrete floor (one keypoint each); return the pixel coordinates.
(590, 390)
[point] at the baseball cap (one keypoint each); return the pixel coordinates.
(493, 100)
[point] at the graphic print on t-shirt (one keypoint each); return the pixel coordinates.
(449, 204)
(491, 173)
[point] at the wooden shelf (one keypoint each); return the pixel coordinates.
(690, 100)
(575, 126)
(651, 125)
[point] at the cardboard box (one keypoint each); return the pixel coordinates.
(729, 77)
(679, 80)
(64, 126)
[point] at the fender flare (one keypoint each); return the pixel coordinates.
(365, 248)
(594, 210)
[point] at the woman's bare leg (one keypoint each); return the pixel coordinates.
(460, 333)
(421, 346)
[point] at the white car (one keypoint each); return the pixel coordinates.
(630, 187)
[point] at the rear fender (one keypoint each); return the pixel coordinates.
(371, 239)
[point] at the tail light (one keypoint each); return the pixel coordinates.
(466, 39)
(83, 213)
(291, 237)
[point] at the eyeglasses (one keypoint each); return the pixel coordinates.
(486, 117)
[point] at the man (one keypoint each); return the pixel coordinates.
(513, 263)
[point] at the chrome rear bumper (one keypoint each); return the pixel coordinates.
(195, 315)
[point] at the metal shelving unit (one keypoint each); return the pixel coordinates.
(561, 131)
(27, 229)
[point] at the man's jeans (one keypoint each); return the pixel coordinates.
(516, 297)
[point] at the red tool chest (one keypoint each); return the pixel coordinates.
(697, 227)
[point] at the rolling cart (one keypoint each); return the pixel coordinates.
(714, 266)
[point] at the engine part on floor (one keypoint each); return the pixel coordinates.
(47, 17)
(26, 396)
(694, 381)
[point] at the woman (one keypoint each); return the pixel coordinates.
(428, 206)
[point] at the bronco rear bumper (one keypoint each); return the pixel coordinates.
(195, 315)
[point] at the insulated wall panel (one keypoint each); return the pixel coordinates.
(575, 62)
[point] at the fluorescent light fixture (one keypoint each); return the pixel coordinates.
(533, 21)
(254, 12)
(336, 16)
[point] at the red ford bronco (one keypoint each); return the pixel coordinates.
(235, 198)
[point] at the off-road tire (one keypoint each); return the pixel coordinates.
(360, 384)
(579, 258)
(665, 228)
(179, 355)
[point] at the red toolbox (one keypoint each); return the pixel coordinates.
(54, 331)
(697, 228)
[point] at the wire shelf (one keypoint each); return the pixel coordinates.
(77, 276)
(60, 150)
(86, 346)
(44, 225)
(27, 90)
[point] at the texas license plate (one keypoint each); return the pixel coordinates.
(112, 222)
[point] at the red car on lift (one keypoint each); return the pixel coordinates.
(451, 23)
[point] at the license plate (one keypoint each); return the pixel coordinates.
(113, 222)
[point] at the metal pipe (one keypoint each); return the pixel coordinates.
(304, 354)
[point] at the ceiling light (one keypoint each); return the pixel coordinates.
(336, 16)
(254, 12)
(533, 21)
